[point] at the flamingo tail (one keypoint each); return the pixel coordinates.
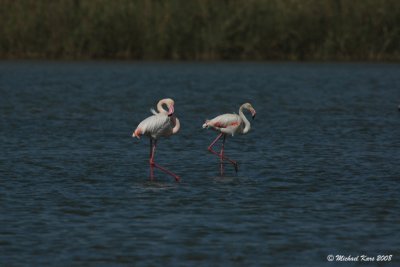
(205, 125)
(137, 133)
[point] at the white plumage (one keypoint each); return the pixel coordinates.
(229, 124)
(226, 123)
(161, 124)
(232, 123)
(155, 126)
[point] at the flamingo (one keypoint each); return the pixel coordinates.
(229, 124)
(161, 124)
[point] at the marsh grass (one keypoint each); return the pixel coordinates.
(201, 29)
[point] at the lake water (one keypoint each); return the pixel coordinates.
(319, 171)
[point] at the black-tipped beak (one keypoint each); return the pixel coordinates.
(253, 114)
(171, 111)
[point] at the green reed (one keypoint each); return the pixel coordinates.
(201, 29)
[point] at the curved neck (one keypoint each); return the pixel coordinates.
(177, 125)
(247, 125)
(160, 107)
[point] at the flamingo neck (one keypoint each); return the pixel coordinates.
(160, 106)
(247, 125)
(177, 125)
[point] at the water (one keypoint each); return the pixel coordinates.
(319, 171)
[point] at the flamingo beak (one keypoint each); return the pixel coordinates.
(253, 113)
(171, 110)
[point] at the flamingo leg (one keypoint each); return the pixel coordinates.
(151, 159)
(222, 156)
(154, 164)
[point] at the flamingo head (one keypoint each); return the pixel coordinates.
(249, 107)
(170, 103)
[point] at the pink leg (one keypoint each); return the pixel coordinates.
(153, 164)
(151, 159)
(213, 143)
(221, 157)
(234, 163)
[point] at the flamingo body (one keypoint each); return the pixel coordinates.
(156, 126)
(161, 124)
(226, 123)
(229, 124)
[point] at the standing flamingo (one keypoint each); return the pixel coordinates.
(229, 124)
(161, 124)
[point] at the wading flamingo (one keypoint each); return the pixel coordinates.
(161, 124)
(229, 124)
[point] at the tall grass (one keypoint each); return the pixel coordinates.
(201, 29)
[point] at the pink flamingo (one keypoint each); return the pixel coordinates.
(161, 124)
(229, 124)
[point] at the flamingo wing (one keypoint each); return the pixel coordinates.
(154, 126)
(226, 123)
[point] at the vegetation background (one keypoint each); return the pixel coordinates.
(201, 29)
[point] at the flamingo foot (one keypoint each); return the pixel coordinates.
(223, 157)
(236, 166)
(155, 165)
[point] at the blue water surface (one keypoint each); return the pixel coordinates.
(319, 172)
